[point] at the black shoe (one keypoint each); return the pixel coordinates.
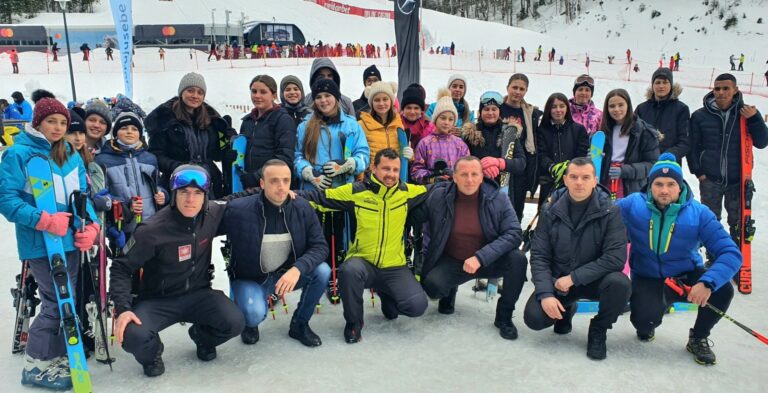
(596, 348)
(646, 336)
(700, 348)
(388, 306)
(204, 352)
(507, 329)
(447, 304)
(352, 333)
(303, 333)
(157, 367)
(250, 335)
(564, 326)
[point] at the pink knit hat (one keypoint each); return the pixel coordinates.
(46, 107)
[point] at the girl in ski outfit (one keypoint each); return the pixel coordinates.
(330, 151)
(412, 114)
(46, 364)
(560, 140)
(441, 145)
(381, 124)
(583, 110)
(457, 85)
(292, 99)
(98, 123)
(631, 146)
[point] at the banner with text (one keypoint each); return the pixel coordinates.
(352, 10)
(122, 13)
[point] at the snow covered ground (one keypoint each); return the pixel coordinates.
(434, 353)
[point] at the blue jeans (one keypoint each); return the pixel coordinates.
(251, 297)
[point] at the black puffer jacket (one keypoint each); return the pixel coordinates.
(273, 135)
(716, 140)
(642, 153)
(671, 118)
(587, 250)
(559, 142)
(168, 141)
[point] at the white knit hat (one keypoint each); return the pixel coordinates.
(388, 88)
(445, 104)
(457, 77)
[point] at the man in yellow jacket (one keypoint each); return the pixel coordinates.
(376, 256)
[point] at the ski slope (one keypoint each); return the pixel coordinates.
(434, 353)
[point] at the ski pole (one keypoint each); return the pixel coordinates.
(334, 287)
(614, 183)
(271, 307)
(681, 289)
(373, 299)
(117, 214)
(285, 305)
(138, 215)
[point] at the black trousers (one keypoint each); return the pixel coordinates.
(651, 298)
(449, 273)
(397, 285)
(612, 291)
(217, 318)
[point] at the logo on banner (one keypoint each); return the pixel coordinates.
(185, 252)
(406, 6)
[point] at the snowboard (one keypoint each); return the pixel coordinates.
(41, 182)
(746, 230)
(239, 144)
(597, 145)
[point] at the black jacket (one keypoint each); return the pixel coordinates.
(531, 175)
(558, 143)
(361, 105)
(716, 140)
(642, 153)
(488, 141)
(671, 118)
(297, 112)
(174, 251)
(498, 221)
(307, 240)
(271, 136)
(587, 250)
(167, 141)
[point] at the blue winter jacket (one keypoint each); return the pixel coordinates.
(25, 109)
(130, 172)
(12, 113)
(16, 202)
(675, 246)
(355, 144)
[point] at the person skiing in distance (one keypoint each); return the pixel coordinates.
(323, 67)
(457, 85)
(583, 109)
(665, 205)
(371, 75)
(282, 250)
(270, 130)
(715, 154)
(14, 61)
(631, 145)
(212, 51)
(481, 240)
(186, 129)
(412, 113)
(741, 62)
(377, 259)
(55, 51)
(86, 51)
(563, 272)
(46, 364)
(515, 111)
(98, 123)
(664, 111)
(441, 145)
(560, 140)
(732, 60)
(292, 99)
(381, 125)
(174, 250)
(108, 52)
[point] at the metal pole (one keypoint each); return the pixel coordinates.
(213, 27)
(226, 14)
(69, 54)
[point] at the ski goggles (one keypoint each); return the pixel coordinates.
(491, 98)
(585, 80)
(192, 176)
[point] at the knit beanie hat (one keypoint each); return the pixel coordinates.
(666, 166)
(290, 80)
(192, 79)
(127, 119)
(99, 107)
(326, 86)
(414, 94)
(76, 123)
(371, 71)
(457, 77)
(445, 104)
(388, 88)
(663, 72)
(46, 107)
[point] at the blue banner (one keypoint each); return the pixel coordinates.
(122, 13)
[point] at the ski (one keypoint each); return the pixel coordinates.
(239, 144)
(597, 144)
(593, 307)
(25, 302)
(505, 176)
(43, 191)
(402, 140)
(746, 230)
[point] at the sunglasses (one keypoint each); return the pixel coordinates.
(491, 97)
(190, 177)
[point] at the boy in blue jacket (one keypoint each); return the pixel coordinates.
(666, 227)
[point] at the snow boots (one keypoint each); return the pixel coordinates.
(204, 352)
(250, 335)
(447, 304)
(596, 348)
(49, 374)
(157, 367)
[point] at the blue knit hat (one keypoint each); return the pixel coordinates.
(666, 166)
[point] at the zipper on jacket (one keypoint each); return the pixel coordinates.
(658, 256)
(194, 258)
(383, 229)
(293, 249)
(263, 233)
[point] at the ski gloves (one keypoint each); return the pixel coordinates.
(407, 153)
(117, 236)
(84, 239)
(339, 167)
(320, 181)
(102, 201)
(614, 172)
(492, 166)
(56, 223)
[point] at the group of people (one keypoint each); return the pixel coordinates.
(276, 50)
(457, 179)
